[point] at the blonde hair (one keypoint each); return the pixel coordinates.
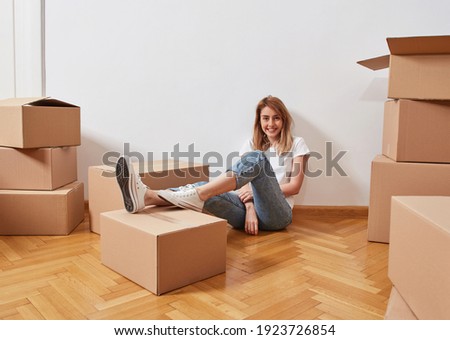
(260, 140)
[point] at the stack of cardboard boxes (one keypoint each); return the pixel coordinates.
(39, 192)
(410, 182)
(160, 248)
(415, 156)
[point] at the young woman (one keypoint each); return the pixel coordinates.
(257, 193)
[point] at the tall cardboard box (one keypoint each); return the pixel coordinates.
(104, 193)
(419, 254)
(39, 122)
(417, 131)
(390, 178)
(37, 212)
(163, 248)
(37, 169)
(419, 67)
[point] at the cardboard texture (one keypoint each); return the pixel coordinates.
(38, 122)
(163, 248)
(416, 131)
(37, 169)
(390, 178)
(38, 212)
(419, 67)
(397, 308)
(103, 190)
(419, 254)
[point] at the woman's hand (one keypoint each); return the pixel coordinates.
(251, 219)
(245, 194)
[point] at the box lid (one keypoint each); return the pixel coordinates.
(409, 46)
(419, 45)
(159, 221)
(376, 63)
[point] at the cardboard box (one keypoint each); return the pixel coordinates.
(104, 193)
(397, 308)
(419, 254)
(419, 67)
(38, 122)
(37, 169)
(56, 212)
(163, 248)
(390, 178)
(416, 131)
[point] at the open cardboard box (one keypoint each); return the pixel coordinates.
(419, 67)
(38, 122)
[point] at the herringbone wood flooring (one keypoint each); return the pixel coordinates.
(319, 268)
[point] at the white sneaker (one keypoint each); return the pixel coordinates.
(184, 197)
(131, 186)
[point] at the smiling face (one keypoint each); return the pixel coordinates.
(271, 124)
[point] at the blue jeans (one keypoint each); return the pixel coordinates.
(272, 209)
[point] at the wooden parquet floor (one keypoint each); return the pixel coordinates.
(319, 268)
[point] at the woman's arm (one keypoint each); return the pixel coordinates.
(251, 219)
(297, 176)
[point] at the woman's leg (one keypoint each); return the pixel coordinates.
(152, 198)
(227, 206)
(136, 195)
(272, 209)
(274, 213)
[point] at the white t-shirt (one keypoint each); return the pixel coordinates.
(281, 164)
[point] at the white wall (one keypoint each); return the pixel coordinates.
(22, 52)
(7, 48)
(154, 73)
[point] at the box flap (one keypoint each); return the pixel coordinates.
(439, 44)
(34, 101)
(50, 102)
(377, 63)
(419, 45)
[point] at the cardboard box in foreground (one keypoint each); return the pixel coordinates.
(417, 131)
(39, 122)
(163, 248)
(37, 169)
(390, 178)
(397, 308)
(103, 190)
(36, 212)
(419, 254)
(419, 67)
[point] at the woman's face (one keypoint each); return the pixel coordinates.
(271, 123)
